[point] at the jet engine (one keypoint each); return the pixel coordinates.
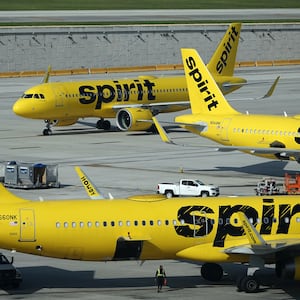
(289, 268)
(129, 119)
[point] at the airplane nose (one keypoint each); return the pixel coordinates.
(20, 109)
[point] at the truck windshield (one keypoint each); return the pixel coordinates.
(199, 182)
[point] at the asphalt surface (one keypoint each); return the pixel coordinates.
(127, 163)
(158, 15)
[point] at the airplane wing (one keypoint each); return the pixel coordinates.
(257, 245)
(161, 106)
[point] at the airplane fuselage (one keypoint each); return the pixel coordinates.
(257, 131)
(103, 98)
(143, 227)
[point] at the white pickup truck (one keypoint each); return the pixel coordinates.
(188, 187)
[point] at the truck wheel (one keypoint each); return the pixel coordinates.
(169, 194)
(204, 194)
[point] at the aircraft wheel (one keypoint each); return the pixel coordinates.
(249, 284)
(106, 125)
(212, 272)
(47, 131)
(103, 124)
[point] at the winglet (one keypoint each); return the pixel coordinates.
(255, 239)
(162, 133)
(88, 185)
(271, 89)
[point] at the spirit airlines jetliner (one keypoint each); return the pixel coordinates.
(129, 100)
(254, 230)
(269, 136)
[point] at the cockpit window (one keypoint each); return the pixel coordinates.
(35, 96)
(27, 95)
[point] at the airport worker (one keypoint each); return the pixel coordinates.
(160, 277)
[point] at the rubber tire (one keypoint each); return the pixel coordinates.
(204, 194)
(249, 284)
(212, 272)
(169, 194)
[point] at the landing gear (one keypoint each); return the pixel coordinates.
(47, 130)
(245, 283)
(103, 124)
(212, 272)
(248, 284)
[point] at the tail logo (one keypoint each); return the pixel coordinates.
(222, 63)
(208, 96)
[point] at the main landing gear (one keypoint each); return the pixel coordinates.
(103, 124)
(245, 283)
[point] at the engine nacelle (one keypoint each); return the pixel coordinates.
(289, 268)
(63, 122)
(128, 119)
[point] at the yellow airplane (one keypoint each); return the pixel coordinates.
(212, 117)
(254, 230)
(127, 100)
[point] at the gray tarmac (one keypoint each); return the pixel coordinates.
(127, 163)
(150, 15)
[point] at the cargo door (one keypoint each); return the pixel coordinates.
(27, 225)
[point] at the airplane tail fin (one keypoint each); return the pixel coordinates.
(90, 188)
(6, 197)
(222, 62)
(204, 93)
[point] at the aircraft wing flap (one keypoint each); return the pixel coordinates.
(271, 247)
(158, 105)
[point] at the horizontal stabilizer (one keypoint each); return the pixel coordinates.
(7, 197)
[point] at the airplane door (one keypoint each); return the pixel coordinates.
(224, 129)
(128, 249)
(27, 225)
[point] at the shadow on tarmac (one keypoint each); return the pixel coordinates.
(37, 278)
